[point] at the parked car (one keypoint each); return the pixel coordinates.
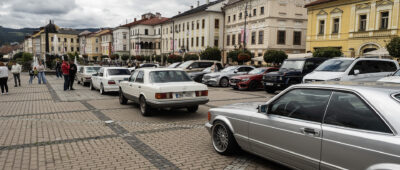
(198, 65)
(291, 72)
(222, 78)
(352, 69)
(149, 65)
(198, 76)
(163, 88)
(108, 79)
(315, 126)
(84, 76)
(174, 65)
(251, 81)
(394, 78)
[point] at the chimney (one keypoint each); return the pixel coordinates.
(198, 3)
(134, 19)
(191, 7)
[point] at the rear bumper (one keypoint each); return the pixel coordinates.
(177, 103)
(208, 126)
(111, 88)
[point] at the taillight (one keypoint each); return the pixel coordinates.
(111, 82)
(163, 95)
(209, 116)
(201, 93)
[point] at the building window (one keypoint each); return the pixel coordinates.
(384, 20)
(216, 23)
(52, 39)
(198, 24)
(229, 19)
(203, 23)
(233, 39)
(202, 41)
(228, 40)
(77, 49)
(234, 17)
(253, 38)
(297, 38)
(254, 12)
(58, 39)
(77, 40)
(261, 37)
(146, 32)
(65, 39)
(282, 37)
(124, 47)
(187, 26)
(52, 48)
(240, 16)
(321, 27)
(197, 41)
(216, 42)
(192, 42)
(183, 27)
(72, 40)
(97, 40)
(97, 49)
(363, 23)
(65, 49)
(262, 10)
(336, 24)
(239, 39)
(192, 25)
(72, 49)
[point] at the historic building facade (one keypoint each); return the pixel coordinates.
(354, 26)
(121, 40)
(106, 39)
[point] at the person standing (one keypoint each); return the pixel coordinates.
(65, 70)
(58, 69)
(41, 75)
(3, 78)
(16, 71)
(72, 72)
(31, 75)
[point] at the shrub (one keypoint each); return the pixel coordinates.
(211, 53)
(235, 54)
(275, 57)
(393, 47)
(140, 58)
(174, 58)
(327, 52)
(158, 58)
(125, 57)
(244, 57)
(191, 57)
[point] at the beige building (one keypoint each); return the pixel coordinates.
(269, 24)
(106, 42)
(93, 45)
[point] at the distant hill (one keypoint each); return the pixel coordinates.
(9, 35)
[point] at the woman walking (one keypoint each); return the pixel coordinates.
(31, 75)
(3, 78)
(65, 69)
(41, 75)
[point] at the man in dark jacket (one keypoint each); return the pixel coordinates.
(58, 69)
(72, 73)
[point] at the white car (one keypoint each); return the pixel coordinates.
(352, 69)
(394, 78)
(108, 78)
(84, 75)
(163, 88)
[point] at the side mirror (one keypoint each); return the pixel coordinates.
(263, 108)
(235, 71)
(356, 72)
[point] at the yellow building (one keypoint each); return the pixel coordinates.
(354, 26)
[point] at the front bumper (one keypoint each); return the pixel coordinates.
(208, 126)
(211, 82)
(177, 103)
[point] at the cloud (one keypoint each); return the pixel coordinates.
(84, 13)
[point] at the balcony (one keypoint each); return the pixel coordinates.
(373, 33)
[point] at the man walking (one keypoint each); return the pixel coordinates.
(58, 69)
(16, 71)
(72, 72)
(65, 70)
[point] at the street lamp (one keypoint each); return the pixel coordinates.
(245, 7)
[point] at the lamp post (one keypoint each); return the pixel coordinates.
(246, 6)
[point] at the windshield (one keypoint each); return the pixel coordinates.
(257, 71)
(229, 69)
(116, 72)
(335, 65)
(185, 64)
(92, 69)
(169, 76)
(397, 96)
(397, 73)
(174, 65)
(292, 65)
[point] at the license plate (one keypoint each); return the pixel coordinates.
(184, 94)
(269, 84)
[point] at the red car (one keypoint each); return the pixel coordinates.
(252, 80)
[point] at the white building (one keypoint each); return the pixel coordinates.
(121, 39)
(83, 41)
(106, 40)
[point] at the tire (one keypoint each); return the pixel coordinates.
(91, 86)
(122, 99)
(144, 108)
(270, 90)
(223, 140)
(253, 85)
(102, 92)
(224, 82)
(193, 109)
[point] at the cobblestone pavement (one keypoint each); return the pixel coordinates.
(43, 127)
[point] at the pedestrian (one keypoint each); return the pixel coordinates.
(3, 78)
(214, 67)
(41, 76)
(58, 69)
(35, 72)
(65, 69)
(72, 73)
(16, 71)
(31, 75)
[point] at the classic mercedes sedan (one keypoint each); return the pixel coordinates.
(316, 126)
(163, 88)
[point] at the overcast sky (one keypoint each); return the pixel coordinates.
(84, 13)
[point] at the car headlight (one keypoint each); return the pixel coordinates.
(336, 79)
(244, 80)
(216, 76)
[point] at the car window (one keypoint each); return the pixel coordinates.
(310, 65)
(206, 64)
(194, 65)
(304, 104)
(117, 72)
(349, 110)
(387, 66)
(169, 76)
(220, 67)
(397, 73)
(133, 76)
(101, 72)
(366, 67)
(397, 96)
(334, 65)
(140, 77)
(245, 69)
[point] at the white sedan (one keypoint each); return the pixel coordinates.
(108, 78)
(163, 88)
(394, 78)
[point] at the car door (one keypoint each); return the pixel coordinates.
(100, 78)
(355, 136)
(365, 70)
(130, 89)
(195, 67)
(290, 132)
(137, 85)
(243, 70)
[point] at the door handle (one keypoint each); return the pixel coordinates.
(130, 85)
(309, 131)
(140, 87)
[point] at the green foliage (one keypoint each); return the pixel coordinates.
(140, 58)
(147, 58)
(114, 57)
(244, 57)
(174, 58)
(211, 53)
(235, 54)
(191, 57)
(104, 56)
(18, 55)
(25, 60)
(158, 58)
(327, 52)
(125, 57)
(393, 47)
(275, 57)
(95, 58)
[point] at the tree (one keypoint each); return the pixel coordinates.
(394, 47)
(95, 58)
(85, 57)
(211, 53)
(174, 58)
(125, 57)
(234, 55)
(103, 57)
(158, 58)
(26, 60)
(140, 58)
(327, 52)
(244, 57)
(147, 58)
(191, 57)
(275, 57)
(18, 55)
(114, 57)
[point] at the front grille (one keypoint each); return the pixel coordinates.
(270, 78)
(206, 77)
(235, 80)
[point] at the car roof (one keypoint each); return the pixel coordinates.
(356, 86)
(204, 61)
(159, 69)
(115, 68)
(364, 58)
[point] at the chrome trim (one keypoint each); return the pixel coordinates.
(394, 96)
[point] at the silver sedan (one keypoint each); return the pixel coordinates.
(316, 126)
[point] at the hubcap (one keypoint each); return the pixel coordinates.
(224, 82)
(220, 137)
(142, 106)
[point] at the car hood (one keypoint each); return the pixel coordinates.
(251, 106)
(391, 79)
(281, 73)
(196, 73)
(322, 75)
(180, 86)
(246, 76)
(220, 74)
